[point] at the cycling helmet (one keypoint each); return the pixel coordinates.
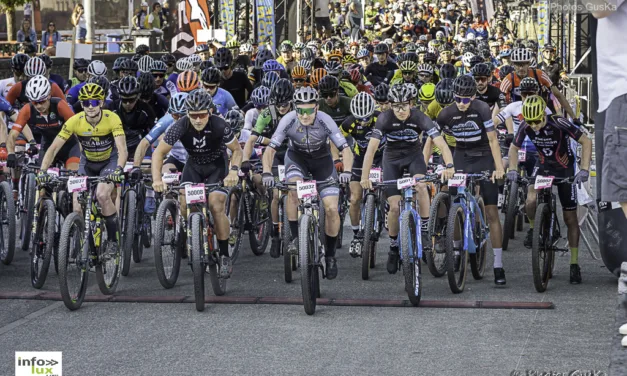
(127, 65)
(306, 95)
(317, 75)
(427, 92)
(117, 64)
(233, 43)
(187, 81)
(101, 81)
(475, 60)
(466, 58)
(136, 57)
(285, 47)
(485, 54)
(412, 89)
(47, 60)
(333, 68)
(145, 63)
(381, 48)
(305, 64)
(184, 65)
(355, 76)
(272, 66)
(262, 57)
(246, 48)
(260, 96)
(97, 68)
(158, 66)
(505, 70)
(210, 76)
(195, 60)
(481, 70)
(177, 104)
(235, 119)
(534, 63)
(335, 56)
(521, 55)
(362, 105)
(91, 91)
(223, 58)
(35, 67)
(400, 93)
(425, 68)
(142, 49)
(548, 47)
(505, 53)
(38, 88)
(146, 84)
(410, 47)
(444, 92)
(533, 108)
(269, 79)
(198, 100)
(128, 86)
(529, 85)
(282, 91)
(328, 84)
(408, 67)
(299, 72)
(430, 57)
(168, 59)
(204, 47)
(205, 65)
(349, 59)
(464, 86)
(306, 54)
(298, 46)
(363, 53)
(448, 71)
(19, 61)
(381, 93)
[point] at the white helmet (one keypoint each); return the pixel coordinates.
(306, 95)
(35, 67)
(520, 55)
(183, 64)
(466, 58)
(38, 88)
(246, 48)
(470, 36)
(362, 105)
(97, 68)
(195, 59)
(144, 63)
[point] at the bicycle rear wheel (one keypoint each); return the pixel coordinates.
(198, 266)
(128, 229)
(411, 261)
(288, 259)
(309, 271)
(509, 224)
(456, 264)
(108, 268)
(261, 224)
(73, 274)
(370, 246)
(541, 258)
(235, 212)
(343, 208)
(43, 244)
(7, 220)
(166, 244)
(436, 256)
(28, 214)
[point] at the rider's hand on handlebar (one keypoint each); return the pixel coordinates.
(508, 139)
(268, 179)
(11, 161)
(447, 174)
(581, 177)
(245, 167)
(339, 166)
(512, 175)
(345, 177)
(158, 186)
(117, 175)
(366, 184)
(231, 179)
(42, 177)
(497, 175)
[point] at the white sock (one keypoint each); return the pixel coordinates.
(457, 243)
(355, 227)
(498, 257)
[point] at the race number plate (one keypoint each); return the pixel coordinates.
(543, 182)
(77, 184)
(501, 200)
(440, 169)
(306, 189)
(195, 194)
(458, 180)
(171, 177)
(281, 172)
(405, 183)
(259, 152)
(375, 175)
(53, 172)
(128, 166)
(522, 155)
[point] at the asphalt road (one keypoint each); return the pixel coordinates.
(252, 338)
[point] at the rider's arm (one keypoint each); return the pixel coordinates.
(443, 146)
(373, 146)
(14, 93)
(157, 159)
(339, 141)
(236, 157)
(427, 150)
(586, 152)
(267, 159)
(140, 152)
(335, 154)
(563, 102)
(18, 127)
(513, 157)
(52, 151)
(248, 148)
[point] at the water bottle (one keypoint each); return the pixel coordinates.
(150, 204)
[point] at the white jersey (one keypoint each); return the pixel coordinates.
(5, 86)
(514, 111)
(250, 120)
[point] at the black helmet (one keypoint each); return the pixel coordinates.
(205, 64)
(475, 60)
(129, 65)
(328, 84)
(485, 53)
(142, 49)
(235, 119)
(464, 86)
(136, 57)
(262, 57)
(223, 58)
(117, 64)
(505, 70)
(198, 100)
(381, 93)
(381, 48)
(47, 60)
(306, 54)
(529, 85)
(210, 76)
(400, 93)
(81, 63)
(101, 81)
(282, 91)
(19, 61)
(333, 68)
(285, 47)
(128, 86)
(158, 66)
(448, 71)
(430, 57)
(168, 59)
(444, 92)
(481, 70)
(146, 84)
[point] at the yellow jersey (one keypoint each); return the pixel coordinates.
(432, 112)
(97, 142)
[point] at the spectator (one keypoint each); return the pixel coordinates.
(155, 19)
(140, 20)
(27, 35)
(355, 19)
(78, 20)
(50, 37)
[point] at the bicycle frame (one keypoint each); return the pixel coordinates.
(378, 215)
(469, 203)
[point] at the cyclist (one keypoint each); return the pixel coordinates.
(95, 68)
(163, 86)
(287, 57)
(222, 99)
(426, 95)
(401, 126)
(486, 92)
(381, 97)
(408, 70)
(18, 62)
(308, 130)
(204, 137)
(79, 70)
(146, 90)
(17, 94)
(550, 134)
(299, 77)
(187, 81)
(259, 99)
(101, 81)
(103, 143)
(170, 62)
(476, 150)
(551, 65)
(383, 69)
(331, 102)
(236, 83)
(280, 105)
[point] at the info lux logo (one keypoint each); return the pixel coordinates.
(38, 363)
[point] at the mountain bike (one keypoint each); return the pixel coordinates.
(513, 205)
(7, 218)
(342, 208)
(371, 223)
(290, 260)
(26, 197)
(438, 212)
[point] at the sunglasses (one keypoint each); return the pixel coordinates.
(283, 105)
(260, 107)
(128, 99)
(463, 100)
(210, 87)
(534, 122)
(520, 64)
(424, 75)
(400, 106)
(305, 111)
(527, 94)
(176, 116)
(481, 79)
(224, 68)
(90, 103)
(364, 120)
(299, 80)
(39, 102)
(158, 75)
(328, 95)
(81, 70)
(198, 116)
(407, 73)
(51, 25)
(170, 65)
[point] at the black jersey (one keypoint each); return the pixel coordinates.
(361, 133)
(377, 73)
(470, 128)
(403, 136)
(203, 146)
(551, 141)
(493, 96)
(136, 123)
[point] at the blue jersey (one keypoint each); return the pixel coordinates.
(6, 107)
(178, 151)
(224, 101)
(168, 89)
(72, 94)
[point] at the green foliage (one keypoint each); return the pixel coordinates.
(11, 4)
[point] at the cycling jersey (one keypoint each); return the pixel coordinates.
(49, 125)
(403, 137)
(6, 107)
(510, 85)
(239, 86)
(469, 127)
(250, 120)
(377, 73)
(433, 110)
(72, 94)
(514, 111)
(205, 146)
(266, 125)
(159, 105)
(223, 100)
(168, 89)
(361, 134)
(347, 89)
(137, 123)
(340, 112)
(178, 151)
(5, 86)
(492, 96)
(551, 142)
(17, 94)
(97, 142)
(57, 80)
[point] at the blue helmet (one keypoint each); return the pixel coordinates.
(260, 96)
(177, 104)
(272, 65)
(269, 79)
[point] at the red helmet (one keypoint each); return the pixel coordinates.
(355, 76)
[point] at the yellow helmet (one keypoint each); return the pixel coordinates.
(427, 92)
(533, 108)
(91, 91)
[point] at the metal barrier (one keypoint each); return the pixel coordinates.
(579, 94)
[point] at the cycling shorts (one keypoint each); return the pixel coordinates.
(178, 164)
(358, 164)
(69, 153)
(567, 192)
(394, 168)
(322, 170)
(102, 169)
(279, 159)
(209, 173)
(474, 162)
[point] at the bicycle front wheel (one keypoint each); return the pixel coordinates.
(128, 229)
(73, 272)
(456, 256)
(43, 245)
(261, 223)
(289, 260)
(477, 260)
(411, 261)
(309, 271)
(235, 212)
(510, 214)
(436, 256)
(28, 214)
(198, 266)
(370, 246)
(541, 257)
(108, 268)
(7, 220)
(167, 256)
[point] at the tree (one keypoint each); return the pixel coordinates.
(8, 8)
